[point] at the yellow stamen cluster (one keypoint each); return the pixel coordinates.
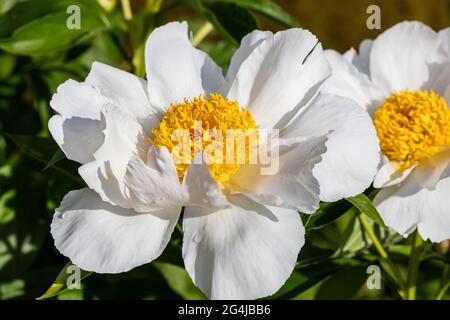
(205, 123)
(412, 126)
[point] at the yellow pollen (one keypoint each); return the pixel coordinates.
(412, 126)
(214, 125)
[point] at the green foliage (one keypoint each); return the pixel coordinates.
(60, 284)
(365, 206)
(37, 27)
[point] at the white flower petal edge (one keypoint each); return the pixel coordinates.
(155, 185)
(406, 56)
(126, 91)
(293, 186)
(124, 138)
(412, 204)
(199, 186)
(175, 69)
(99, 237)
(78, 128)
(244, 252)
(347, 81)
(350, 162)
(388, 175)
(78, 105)
(248, 44)
(280, 76)
(360, 59)
(78, 137)
(444, 35)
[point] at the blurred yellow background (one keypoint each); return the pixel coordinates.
(341, 24)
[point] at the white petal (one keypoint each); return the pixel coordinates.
(348, 81)
(441, 83)
(99, 237)
(435, 215)
(389, 175)
(154, 185)
(412, 204)
(126, 91)
(429, 172)
(175, 69)
(444, 35)
(244, 252)
(200, 186)
(124, 138)
(77, 137)
(77, 129)
(248, 44)
(75, 99)
(350, 162)
(293, 184)
(396, 209)
(280, 76)
(360, 60)
(406, 56)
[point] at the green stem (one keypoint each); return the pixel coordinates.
(384, 255)
(414, 262)
(442, 291)
(201, 34)
(445, 283)
(126, 8)
(138, 61)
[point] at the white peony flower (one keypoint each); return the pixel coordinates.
(242, 231)
(403, 79)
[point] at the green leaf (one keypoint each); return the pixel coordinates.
(41, 149)
(45, 150)
(45, 31)
(8, 62)
(304, 278)
(365, 206)
(344, 284)
(179, 281)
(230, 20)
(57, 156)
(60, 284)
(23, 12)
(327, 213)
(266, 8)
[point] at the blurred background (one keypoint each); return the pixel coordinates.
(37, 53)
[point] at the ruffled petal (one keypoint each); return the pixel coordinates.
(280, 76)
(175, 69)
(99, 237)
(352, 150)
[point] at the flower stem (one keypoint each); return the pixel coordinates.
(201, 34)
(126, 8)
(442, 291)
(138, 61)
(414, 262)
(384, 255)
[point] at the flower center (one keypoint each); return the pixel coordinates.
(412, 126)
(226, 133)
